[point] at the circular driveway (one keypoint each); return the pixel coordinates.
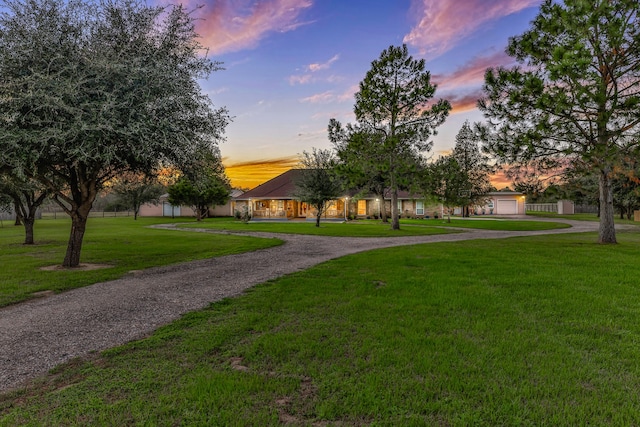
(39, 334)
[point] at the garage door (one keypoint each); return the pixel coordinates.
(507, 207)
(168, 210)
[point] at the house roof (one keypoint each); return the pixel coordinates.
(236, 192)
(281, 187)
(505, 193)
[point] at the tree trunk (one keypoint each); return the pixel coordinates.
(74, 247)
(395, 220)
(607, 231)
(319, 209)
(383, 210)
(16, 209)
(28, 229)
(79, 214)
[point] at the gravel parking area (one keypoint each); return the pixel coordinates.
(37, 335)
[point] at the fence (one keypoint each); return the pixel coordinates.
(587, 209)
(55, 214)
(11, 216)
(541, 207)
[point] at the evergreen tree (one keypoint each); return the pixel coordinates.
(577, 96)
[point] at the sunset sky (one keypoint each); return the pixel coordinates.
(291, 65)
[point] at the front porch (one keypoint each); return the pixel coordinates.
(287, 209)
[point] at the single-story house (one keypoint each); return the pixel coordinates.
(164, 208)
(275, 200)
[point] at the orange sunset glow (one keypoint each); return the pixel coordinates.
(253, 173)
(249, 175)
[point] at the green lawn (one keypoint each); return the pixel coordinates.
(122, 243)
(373, 228)
(580, 217)
(523, 331)
(489, 224)
(127, 245)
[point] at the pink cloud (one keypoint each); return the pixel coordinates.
(318, 98)
(463, 87)
(441, 24)
(331, 96)
(472, 72)
(232, 25)
(323, 66)
(300, 79)
(461, 102)
(349, 93)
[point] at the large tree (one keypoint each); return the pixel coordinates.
(445, 181)
(576, 97)
(6, 206)
(203, 184)
(133, 190)
(474, 168)
(27, 196)
(395, 102)
(318, 183)
(626, 186)
(359, 161)
(90, 90)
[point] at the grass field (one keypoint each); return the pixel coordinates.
(373, 228)
(121, 243)
(523, 331)
(579, 217)
(488, 224)
(124, 245)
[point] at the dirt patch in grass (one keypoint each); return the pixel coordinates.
(81, 267)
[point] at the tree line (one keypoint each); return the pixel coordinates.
(570, 109)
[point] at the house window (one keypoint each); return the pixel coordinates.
(419, 208)
(362, 207)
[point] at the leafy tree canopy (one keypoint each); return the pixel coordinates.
(90, 90)
(203, 184)
(394, 110)
(576, 95)
(474, 168)
(318, 183)
(134, 190)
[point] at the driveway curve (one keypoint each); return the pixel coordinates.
(39, 334)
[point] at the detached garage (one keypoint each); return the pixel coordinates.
(504, 203)
(506, 207)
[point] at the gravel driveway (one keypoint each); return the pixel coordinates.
(39, 334)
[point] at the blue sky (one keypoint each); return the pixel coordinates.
(291, 65)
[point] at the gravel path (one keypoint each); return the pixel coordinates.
(39, 334)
